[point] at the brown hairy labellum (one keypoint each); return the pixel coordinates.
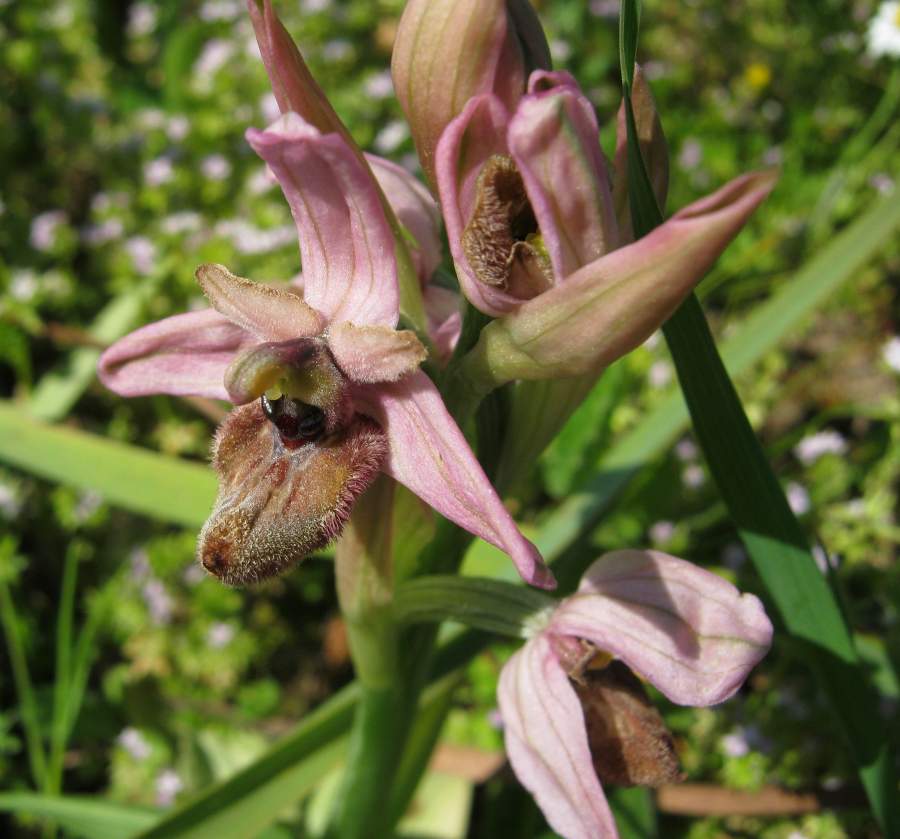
(629, 742)
(287, 485)
(498, 240)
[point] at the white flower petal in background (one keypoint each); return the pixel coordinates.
(168, 785)
(661, 532)
(142, 252)
(811, 448)
(883, 37)
(215, 167)
(44, 227)
(798, 498)
(890, 352)
(134, 743)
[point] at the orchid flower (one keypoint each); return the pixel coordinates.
(539, 234)
(329, 390)
(574, 714)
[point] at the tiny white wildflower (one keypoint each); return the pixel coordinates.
(215, 167)
(890, 352)
(159, 171)
(134, 743)
(660, 374)
(338, 49)
(142, 252)
(106, 231)
(797, 498)
(693, 476)
(168, 785)
(23, 285)
(391, 136)
(141, 19)
(379, 85)
(44, 227)
(883, 37)
(220, 634)
(811, 448)
(178, 126)
(661, 532)
(184, 221)
(691, 154)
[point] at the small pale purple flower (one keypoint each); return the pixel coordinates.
(220, 635)
(134, 743)
(798, 498)
(168, 785)
(811, 448)
(44, 228)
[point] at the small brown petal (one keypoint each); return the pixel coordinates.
(496, 239)
(629, 741)
(277, 504)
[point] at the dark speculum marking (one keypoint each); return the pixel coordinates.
(496, 241)
(296, 422)
(286, 487)
(629, 742)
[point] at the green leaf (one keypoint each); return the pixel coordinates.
(91, 818)
(162, 487)
(776, 542)
(249, 801)
(59, 390)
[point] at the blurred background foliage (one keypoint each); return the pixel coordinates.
(124, 166)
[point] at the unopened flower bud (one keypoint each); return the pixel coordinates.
(448, 51)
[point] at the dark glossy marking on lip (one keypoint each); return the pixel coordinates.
(296, 421)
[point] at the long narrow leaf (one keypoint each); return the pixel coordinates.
(91, 818)
(59, 390)
(142, 481)
(774, 538)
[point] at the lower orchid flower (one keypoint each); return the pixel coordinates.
(329, 390)
(574, 714)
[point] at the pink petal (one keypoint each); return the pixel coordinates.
(612, 305)
(374, 353)
(272, 314)
(687, 631)
(446, 52)
(444, 318)
(185, 355)
(547, 743)
(429, 455)
(415, 209)
(294, 87)
(466, 144)
(346, 243)
(654, 149)
(554, 139)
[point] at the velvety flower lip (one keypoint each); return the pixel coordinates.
(325, 365)
(688, 632)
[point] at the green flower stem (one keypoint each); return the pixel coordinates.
(363, 567)
(491, 605)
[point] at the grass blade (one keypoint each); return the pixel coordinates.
(59, 390)
(37, 757)
(774, 539)
(91, 818)
(142, 481)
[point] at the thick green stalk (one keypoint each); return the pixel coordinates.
(363, 567)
